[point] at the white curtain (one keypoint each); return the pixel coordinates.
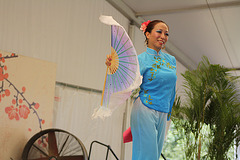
(72, 112)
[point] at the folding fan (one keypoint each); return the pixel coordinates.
(123, 75)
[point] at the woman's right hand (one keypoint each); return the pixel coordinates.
(108, 60)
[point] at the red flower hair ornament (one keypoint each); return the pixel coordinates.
(144, 26)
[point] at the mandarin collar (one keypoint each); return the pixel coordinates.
(153, 52)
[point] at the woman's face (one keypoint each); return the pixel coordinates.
(158, 36)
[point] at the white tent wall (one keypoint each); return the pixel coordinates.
(69, 33)
(72, 112)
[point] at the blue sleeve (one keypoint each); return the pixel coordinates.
(173, 96)
(141, 65)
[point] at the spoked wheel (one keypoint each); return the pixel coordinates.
(54, 144)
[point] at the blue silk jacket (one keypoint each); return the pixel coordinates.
(157, 90)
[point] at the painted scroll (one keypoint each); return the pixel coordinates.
(26, 101)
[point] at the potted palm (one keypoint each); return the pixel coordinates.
(211, 102)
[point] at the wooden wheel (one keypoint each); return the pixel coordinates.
(54, 144)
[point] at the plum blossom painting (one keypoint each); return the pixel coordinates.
(27, 88)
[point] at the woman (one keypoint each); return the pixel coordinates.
(153, 107)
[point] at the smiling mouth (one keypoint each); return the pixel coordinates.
(161, 42)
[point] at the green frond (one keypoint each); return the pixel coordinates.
(212, 98)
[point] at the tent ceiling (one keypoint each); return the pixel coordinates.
(197, 28)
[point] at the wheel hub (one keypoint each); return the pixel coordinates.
(53, 158)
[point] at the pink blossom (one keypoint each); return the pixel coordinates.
(24, 111)
(144, 26)
(12, 112)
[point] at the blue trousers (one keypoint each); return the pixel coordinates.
(148, 130)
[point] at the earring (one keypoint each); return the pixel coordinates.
(146, 42)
